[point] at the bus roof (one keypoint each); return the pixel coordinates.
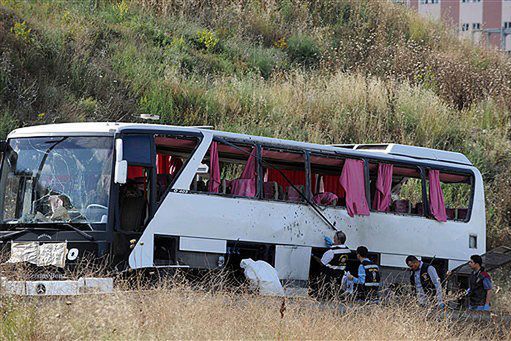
(385, 151)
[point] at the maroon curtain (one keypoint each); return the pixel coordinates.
(332, 184)
(436, 196)
(353, 181)
(214, 168)
(382, 196)
(250, 170)
(175, 165)
(296, 177)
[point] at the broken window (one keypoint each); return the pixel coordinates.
(284, 175)
(325, 180)
(457, 193)
(228, 168)
(405, 189)
(57, 179)
(172, 154)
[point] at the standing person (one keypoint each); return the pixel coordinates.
(335, 259)
(480, 286)
(368, 281)
(334, 262)
(425, 281)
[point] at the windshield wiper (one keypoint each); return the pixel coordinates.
(12, 234)
(76, 229)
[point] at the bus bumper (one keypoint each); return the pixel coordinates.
(84, 285)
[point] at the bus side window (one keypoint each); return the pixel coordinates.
(284, 175)
(457, 191)
(406, 195)
(231, 170)
(172, 154)
(325, 180)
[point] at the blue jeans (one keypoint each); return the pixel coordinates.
(478, 308)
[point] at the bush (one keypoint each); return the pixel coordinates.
(303, 50)
(7, 123)
(265, 60)
(207, 40)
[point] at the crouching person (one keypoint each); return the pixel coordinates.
(425, 281)
(480, 286)
(367, 284)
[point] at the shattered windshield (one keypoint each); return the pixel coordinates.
(56, 180)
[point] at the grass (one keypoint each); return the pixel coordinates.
(340, 71)
(180, 312)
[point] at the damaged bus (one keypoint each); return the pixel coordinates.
(147, 196)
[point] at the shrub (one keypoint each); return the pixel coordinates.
(265, 60)
(303, 50)
(121, 9)
(7, 123)
(22, 32)
(207, 40)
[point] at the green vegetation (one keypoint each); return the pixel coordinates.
(323, 71)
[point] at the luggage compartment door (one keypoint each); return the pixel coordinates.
(293, 262)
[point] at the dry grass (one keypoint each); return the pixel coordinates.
(178, 312)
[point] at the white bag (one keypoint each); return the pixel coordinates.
(346, 284)
(263, 277)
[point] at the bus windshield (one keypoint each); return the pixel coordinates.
(56, 180)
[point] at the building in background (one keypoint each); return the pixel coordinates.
(484, 21)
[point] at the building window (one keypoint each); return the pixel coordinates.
(464, 27)
(507, 24)
(425, 2)
(476, 26)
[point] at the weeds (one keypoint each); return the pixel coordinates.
(207, 39)
(22, 32)
(213, 308)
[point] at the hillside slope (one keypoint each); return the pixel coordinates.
(328, 71)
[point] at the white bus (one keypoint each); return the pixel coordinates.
(156, 196)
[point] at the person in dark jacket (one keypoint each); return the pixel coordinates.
(480, 285)
(425, 281)
(367, 283)
(336, 257)
(334, 262)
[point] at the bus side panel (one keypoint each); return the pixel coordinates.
(282, 223)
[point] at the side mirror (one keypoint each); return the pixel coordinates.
(121, 166)
(3, 146)
(121, 172)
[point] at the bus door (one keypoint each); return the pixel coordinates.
(136, 197)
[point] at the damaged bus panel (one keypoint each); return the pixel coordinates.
(140, 196)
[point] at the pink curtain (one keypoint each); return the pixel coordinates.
(250, 170)
(353, 181)
(214, 168)
(436, 196)
(246, 184)
(244, 187)
(326, 198)
(382, 196)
